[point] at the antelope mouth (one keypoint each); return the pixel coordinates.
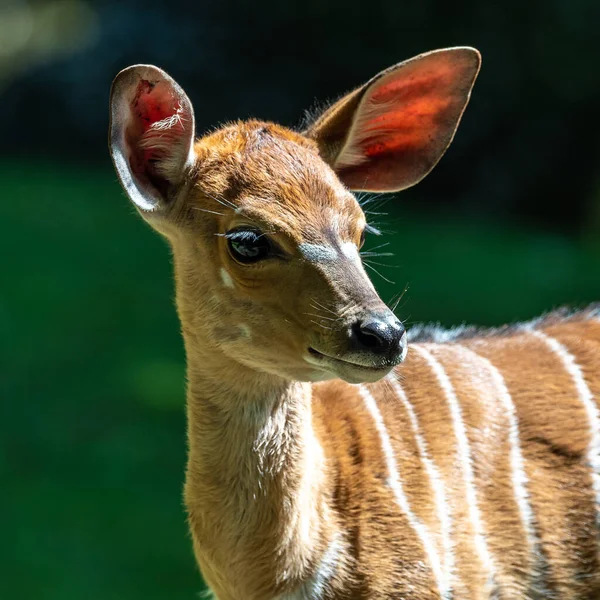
(321, 356)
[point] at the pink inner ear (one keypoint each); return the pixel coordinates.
(406, 120)
(405, 114)
(153, 103)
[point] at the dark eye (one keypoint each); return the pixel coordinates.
(248, 245)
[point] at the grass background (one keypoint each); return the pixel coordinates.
(92, 427)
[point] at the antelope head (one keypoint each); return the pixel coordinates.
(265, 230)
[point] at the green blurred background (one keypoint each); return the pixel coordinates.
(92, 431)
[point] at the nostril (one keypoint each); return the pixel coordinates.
(373, 335)
(379, 336)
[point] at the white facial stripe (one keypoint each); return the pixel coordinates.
(318, 253)
(464, 453)
(437, 484)
(226, 278)
(587, 399)
(327, 257)
(395, 484)
(519, 477)
(350, 250)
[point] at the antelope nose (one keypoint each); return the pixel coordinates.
(381, 336)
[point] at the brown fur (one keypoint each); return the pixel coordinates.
(289, 486)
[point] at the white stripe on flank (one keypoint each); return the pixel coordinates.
(437, 484)
(587, 399)
(395, 484)
(464, 456)
(519, 477)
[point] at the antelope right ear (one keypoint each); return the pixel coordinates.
(388, 134)
(151, 135)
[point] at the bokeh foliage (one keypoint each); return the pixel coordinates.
(92, 430)
(92, 382)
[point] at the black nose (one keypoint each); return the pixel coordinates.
(380, 335)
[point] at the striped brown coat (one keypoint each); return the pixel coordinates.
(484, 449)
(320, 467)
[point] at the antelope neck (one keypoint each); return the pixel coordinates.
(245, 428)
(264, 423)
(255, 472)
(241, 411)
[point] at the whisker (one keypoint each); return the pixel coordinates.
(375, 228)
(370, 254)
(320, 316)
(369, 228)
(373, 262)
(264, 233)
(378, 273)
(375, 205)
(380, 246)
(392, 301)
(323, 307)
(399, 298)
(222, 201)
(212, 212)
(408, 321)
(365, 198)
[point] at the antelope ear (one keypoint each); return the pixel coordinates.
(151, 135)
(388, 134)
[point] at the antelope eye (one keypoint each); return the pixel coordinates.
(248, 246)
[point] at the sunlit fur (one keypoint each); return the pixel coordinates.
(235, 180)
(259, 489)
(468, 472)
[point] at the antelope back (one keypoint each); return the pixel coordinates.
(473, 469)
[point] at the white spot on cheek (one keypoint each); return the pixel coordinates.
(226, 278)
(245, 330)
(317, 253)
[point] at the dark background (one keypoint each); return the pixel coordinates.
(92, 432)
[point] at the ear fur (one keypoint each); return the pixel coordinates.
(388, 134)
(151, 135)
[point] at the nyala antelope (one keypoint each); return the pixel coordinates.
(325, 461)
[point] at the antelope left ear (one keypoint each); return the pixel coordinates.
(388, 134)
(151, 136)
